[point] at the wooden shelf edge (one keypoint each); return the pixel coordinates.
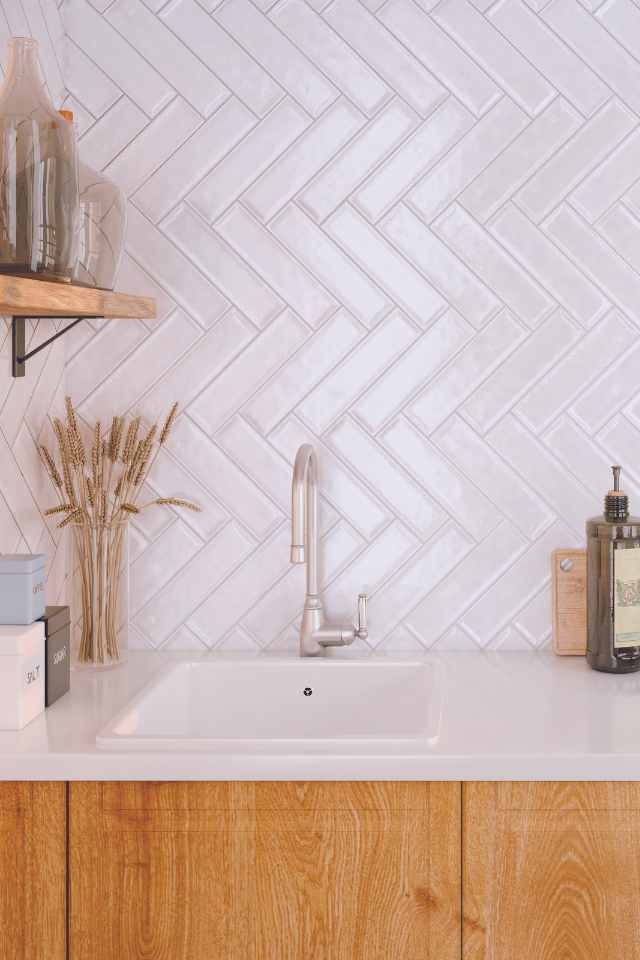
(23, 297)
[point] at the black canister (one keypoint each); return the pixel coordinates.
(57, 633)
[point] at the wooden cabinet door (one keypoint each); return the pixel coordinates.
(33, 920)
(551, 871)
(265, 871)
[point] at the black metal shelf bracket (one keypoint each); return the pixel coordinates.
(19, 340)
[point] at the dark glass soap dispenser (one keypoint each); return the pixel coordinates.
(613, 585)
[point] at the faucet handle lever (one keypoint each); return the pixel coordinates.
(361, 630)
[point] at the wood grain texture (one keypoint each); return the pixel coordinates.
(23, 297)
(569, 593)
(32, 871)
(551, 871)
(265, 871)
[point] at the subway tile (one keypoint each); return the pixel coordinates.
(303, 159)
(409, 289)
(192, 373)
(238, 493)
(519, 371)
(172, 270)
(617, 383)
(518, 585)
(367, 573)
(88, 83)
(492, 264)
(135, 76)
(222, 266)
(446, 485)
(277, 55)
(586, 149)
(431, 45)
(251, 368)
(541, 470)
(257, 457)
(462, 289)
(595, 258)
(620, 227)
(310, 364)
(324, 47)
(111, 133)
(542, 47)
(339, 274)
(435, 137)
(386, 55)
(358, 159)
(230, 601)
(495, 54)
(159, 618)
(153, 145)
(101, 356)
(447, 390)
(515, 499)
(563, 383)
(442, 606)
(342, 386)
(397, 600)
(229, 178)
(156, 566)
(520, 160)
(609, 181)
(389, 394)
(596, 46)
(585, 460)
(181, 173)
(239, 72)
(148, 35)
(528, 244)
(270, 260)
(143, 366)
(392, 484)
(467, 159)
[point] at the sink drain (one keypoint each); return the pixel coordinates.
(307, 691)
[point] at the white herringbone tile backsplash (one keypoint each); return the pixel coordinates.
(407, 232)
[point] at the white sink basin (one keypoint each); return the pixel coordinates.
(280, 706)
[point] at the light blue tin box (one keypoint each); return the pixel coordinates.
(22, 587)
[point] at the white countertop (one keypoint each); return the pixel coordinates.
(502, 716)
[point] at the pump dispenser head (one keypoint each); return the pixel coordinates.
(616, 502)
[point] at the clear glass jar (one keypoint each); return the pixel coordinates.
(102, 224)
(39, 201)
(100, 593)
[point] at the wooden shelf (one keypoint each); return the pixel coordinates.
(23, 297)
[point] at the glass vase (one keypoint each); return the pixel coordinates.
(102, 224)
(39, 202)
(101, 593)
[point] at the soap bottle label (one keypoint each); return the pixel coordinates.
(626, 622)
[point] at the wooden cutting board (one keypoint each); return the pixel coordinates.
(569, 598)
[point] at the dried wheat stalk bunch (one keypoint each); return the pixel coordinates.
(98, 491)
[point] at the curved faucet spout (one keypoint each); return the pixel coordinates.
(315, 633)
(304, 515)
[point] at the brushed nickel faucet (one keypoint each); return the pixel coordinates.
(315, 633)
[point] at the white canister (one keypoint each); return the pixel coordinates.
(21, 675)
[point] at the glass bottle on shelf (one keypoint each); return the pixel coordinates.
(39, 202)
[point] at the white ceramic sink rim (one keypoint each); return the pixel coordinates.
(259, 706)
